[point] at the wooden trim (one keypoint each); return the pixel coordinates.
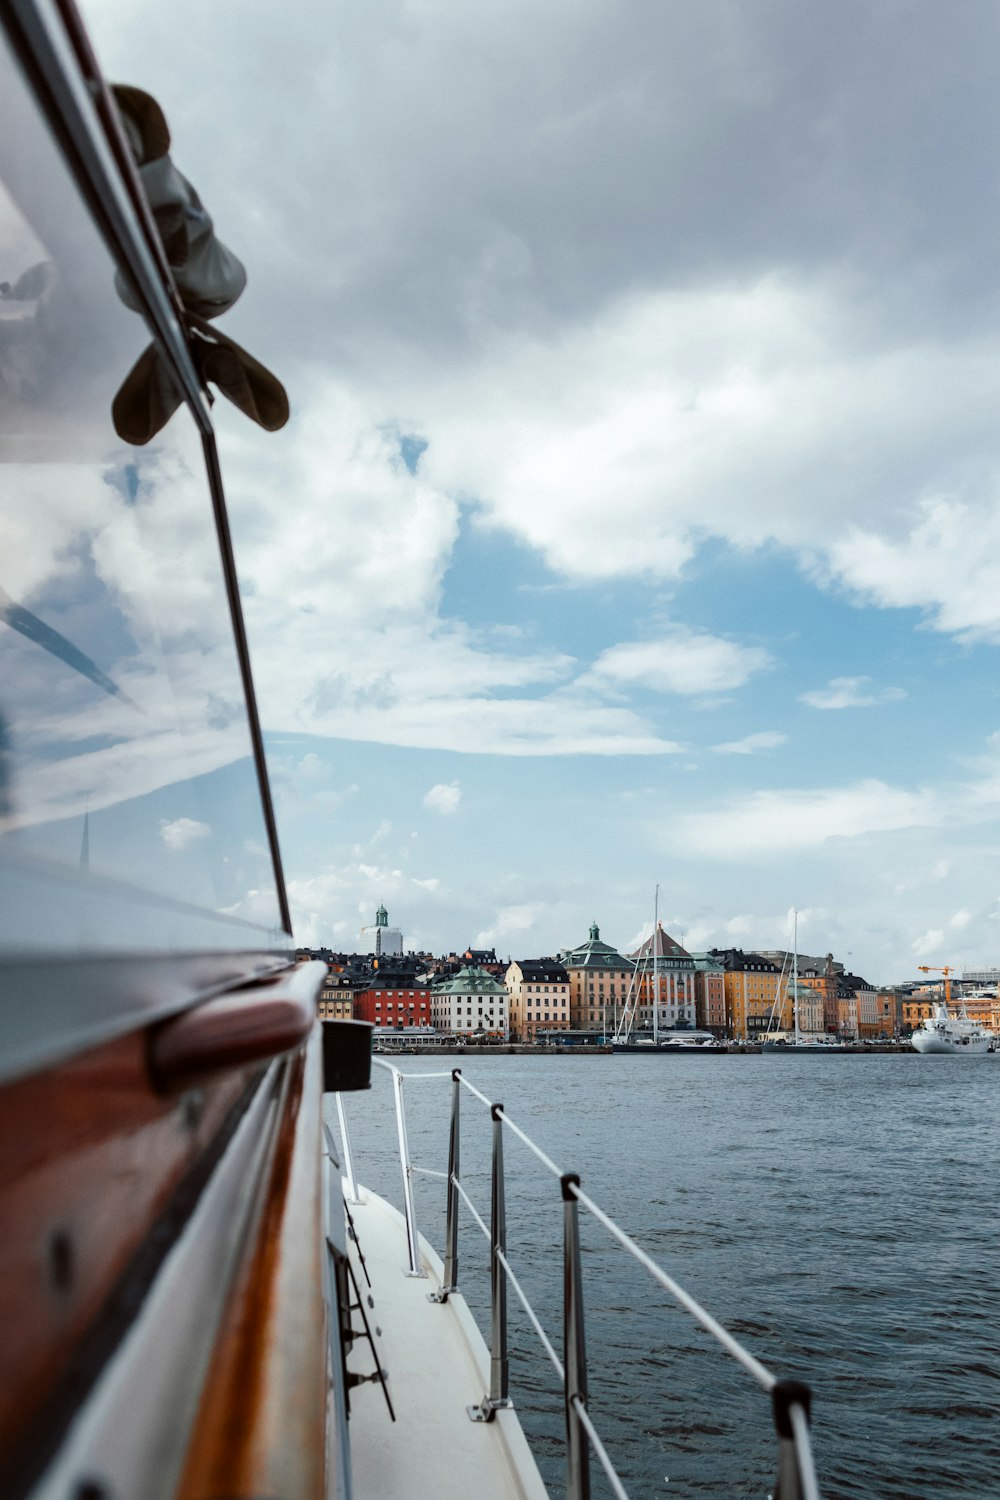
(91, 1162)
(261, 1429)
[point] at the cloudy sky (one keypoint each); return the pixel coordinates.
(637, 521)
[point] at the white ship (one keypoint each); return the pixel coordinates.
(944, 1032)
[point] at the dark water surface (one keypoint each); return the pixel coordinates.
(838, 1213)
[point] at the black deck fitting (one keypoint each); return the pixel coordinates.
(456, 1074)
(785, 1394)
(496, 1110)
(567, 1181)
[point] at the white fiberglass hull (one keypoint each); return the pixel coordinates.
(974, 1046)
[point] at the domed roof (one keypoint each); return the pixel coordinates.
(593, 954)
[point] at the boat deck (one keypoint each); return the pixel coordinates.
(438, 1365)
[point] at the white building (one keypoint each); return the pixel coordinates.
(470, 1001)
(381, 938)
(988, 978)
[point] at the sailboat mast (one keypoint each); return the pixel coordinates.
(795, 972)
(656, 989)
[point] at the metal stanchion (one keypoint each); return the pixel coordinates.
(404, 1157)
(785, 1395)
(575, 1349)
(450, 1283)
(498, 1396)
(345, 1143)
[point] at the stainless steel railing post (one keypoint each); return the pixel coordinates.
(450, 1283)
(498, 1395)
(404, 1161)
(345, 1143)
(575, 1346)
(785, 1396)
(499, 1356)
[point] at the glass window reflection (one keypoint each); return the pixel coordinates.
(124, 743)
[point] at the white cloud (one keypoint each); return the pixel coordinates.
(444, 798)
(768, 824)
(765, 739)
(851, 692)
(179, 833)
(947, 562)
(928, 943)
(510, 921)
(960, 920)
(680, 661)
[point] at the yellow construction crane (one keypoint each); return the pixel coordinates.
(947, 971)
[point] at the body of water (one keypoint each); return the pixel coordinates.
(837, 1213)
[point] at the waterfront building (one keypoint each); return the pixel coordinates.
(783, 957)
(380, 938)
(985, 978)
(470, 1001)
(810, 1009)
(485, 958)
(823, 977)
(393, 1000)
(984, 1009)
(675, 982)
(867, 1019)
(920, 1006)
(599, 978)
(709, 994)
(752, 987)
(539, 997)
(336, 998)
(890, 1008)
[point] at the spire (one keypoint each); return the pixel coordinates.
(381, 916)
(594, 932)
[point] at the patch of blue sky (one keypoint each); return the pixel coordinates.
(494, 580)
(815, 635)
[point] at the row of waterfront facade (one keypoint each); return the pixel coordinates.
(594, 989)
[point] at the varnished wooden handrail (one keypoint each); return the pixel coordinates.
(249, 1025)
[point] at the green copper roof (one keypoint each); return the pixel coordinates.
(469, 981)
(593, 954)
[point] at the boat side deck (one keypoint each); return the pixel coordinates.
(438, 1365)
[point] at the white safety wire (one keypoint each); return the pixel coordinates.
(711, 1325)
(472, 1208)
(522, 1298)
(545, 1160)
(599, 1448)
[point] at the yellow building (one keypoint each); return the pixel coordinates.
(336, 998)
(598, 983)
(539, 991)
(984, 1010)
(869, 1020)
(919, 1007)
(756, 994)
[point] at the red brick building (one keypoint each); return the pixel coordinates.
(393, 1001)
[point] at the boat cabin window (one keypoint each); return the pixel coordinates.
(125, 749)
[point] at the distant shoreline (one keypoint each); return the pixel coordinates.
(522, 1049)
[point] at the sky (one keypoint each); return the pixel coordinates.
(637, 519)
